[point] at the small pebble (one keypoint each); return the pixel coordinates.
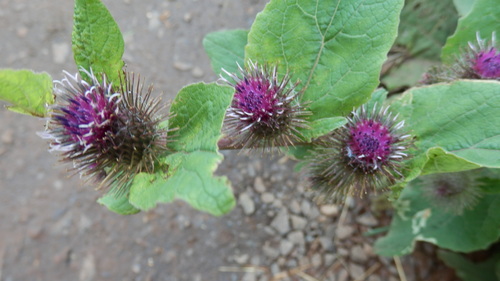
(247, 203)
(344, 231)
(281, 222)
(197, 72)
(258, 185)
(329, 210)
(182, 66)
(267, 197)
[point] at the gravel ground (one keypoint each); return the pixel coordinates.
(52, 229)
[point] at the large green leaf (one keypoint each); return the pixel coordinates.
(198, 112)
(226, 49)
(28, 92)
(97, 40)
(484, 18)
(456, 124)
(118, 204)
(425, 25)
(474, 230)
(463, 6)
(470, 271)
(335, 48)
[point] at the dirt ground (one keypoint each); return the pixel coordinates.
(51, 228)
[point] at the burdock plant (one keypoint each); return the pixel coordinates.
(366, 153)
(110, 133)
(265, 112)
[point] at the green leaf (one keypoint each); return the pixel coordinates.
(464, 6)
(456, 124)
(335, 48)
(198, 112)
(190, 179)
(226, 49)
(97, 40)
(321, 127)
(484, 18)
(474, 230)
(118, 204)
(27, 91)
(470, 271)
(440, 161)
(425, 25)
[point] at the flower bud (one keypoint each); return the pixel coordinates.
(265, 112)
(109, 133)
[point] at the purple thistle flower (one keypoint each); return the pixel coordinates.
(480, 61)
(486, 64)
(452, 192)
(265, 111)
(366, 153)
(109, 134)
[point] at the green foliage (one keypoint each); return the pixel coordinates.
(469, 271)
(335, 48)
(27, 91)
(463, 6)
(97, 40)
(226, 49)
(425, 25)
(198, 111)
(456, 125)
(416, 220)
(118, 204)
(321, 127)
(483, 18)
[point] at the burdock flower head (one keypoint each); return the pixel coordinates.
(485, 58)
(480, 61)
(108, 133)
(265, 111)
(366, 153)
(452, 192)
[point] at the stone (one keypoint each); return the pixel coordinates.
(342, 275)
(267, 197)
(285, 247)
(367, 219)
(241, 259)
(316, 260)
(249, 276)
(358, 254)
(298, 223)
(182, 66)
(356, 271)
(329, 259)
(305, 206)
(197, 72)
(329, 210)
(326, 243)
(297, 238)
(294, 207)
(258, 185)
(247, 203)
(88, 269)
(269, 251)
(344, 231)
(281, 222)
